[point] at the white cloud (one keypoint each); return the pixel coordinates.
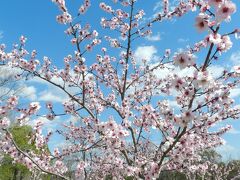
(52, 96)
(34, 122)
(235, 92)
(157, 6)
(61, 145)
(171, 69)
(156, 37)
(28, 92)
(182, 40)
(8, 72)
(216, 71)
(235, 58)
(5, 91)
(14, 86)
(53, 93)
(56, 80)
(162, 72)
(49, 125)
(145, 52)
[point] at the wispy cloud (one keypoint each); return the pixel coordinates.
(145, 52)
(156, 37)
(8, 72)
(52, 96)
(157, 6)
(235, 93)
(53, 93)
(216, 70)
(29, 92)
(1, 34)
(47, 124)
(235, 58)
(183, 40)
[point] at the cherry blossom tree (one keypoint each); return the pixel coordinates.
(121, 103)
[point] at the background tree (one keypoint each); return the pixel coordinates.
(10, 170)
(10, 85)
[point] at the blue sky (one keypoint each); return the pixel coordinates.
(36, 19)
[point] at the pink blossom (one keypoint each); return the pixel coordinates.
(184, 59)
(23, 39)
(4, 122)
(225, 44)
(215, 3)
(215, 38)
(237, 69)
(64, 18)
(203, 79)
(201, 22)
(225, 10)
(237, 33)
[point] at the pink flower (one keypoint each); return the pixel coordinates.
(82, 10)
(237, 33)
(64, 18)
(237, 69)
(4, 122)
(184, 59)
(104, 50)
(49, 105)
(34, 107)
(13, 101)
(188, 116)
(28, 163)
(167, 52)
(50, 116)
(215, 3)
(139, 14)
(225, 44)
(95, 33)
(80, 169)
(203, 79)
(201, 22)
(215, 38)
(88, 47)
(225, 10)
(23, 39)
(74, 40)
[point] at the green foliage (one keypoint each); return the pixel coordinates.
(129, 178)
(8, 170)
(235, 170)
(15, 171)
(21, 136)
(172, 175)
(11, 171)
